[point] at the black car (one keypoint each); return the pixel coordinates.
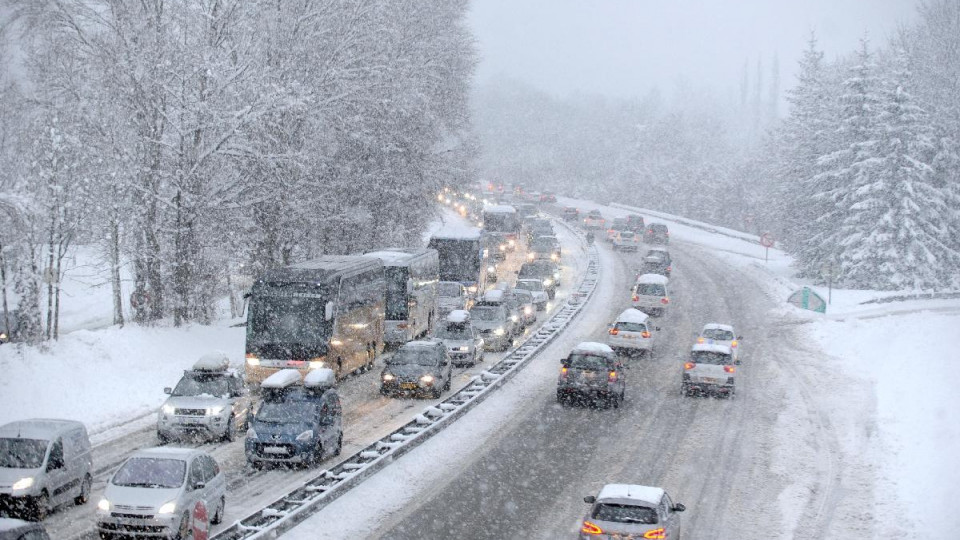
(417, 368)
(656, 233)
(570, 213)
(635, 223)
(546, 271)
(657, 261)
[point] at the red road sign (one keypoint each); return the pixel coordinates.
(766, 240)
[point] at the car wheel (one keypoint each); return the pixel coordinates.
(183, 531)
(437, 391)
(684, 390)
(317, 454)
(84, 495)
(339, 448)
(218, 515)
(446, 385)
(230, 433)
(41, 507)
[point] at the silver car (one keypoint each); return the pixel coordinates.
(631, 511)
(495, 326)
(711, 369)
(451, 295)
(463, 342)
(591, 372)
(210, 401)
(154, 493)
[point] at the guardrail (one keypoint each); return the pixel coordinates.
(299, 504)
(739, 235)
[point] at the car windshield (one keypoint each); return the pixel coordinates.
(718, 334)
(484, 313)
(523, 295)
(151, 473)
(626, 235)
(529, 285)
(290, 411)
(630, 327)
(536, 270)
(455, 331)
(588, 362)
(657, 228)
(650, 289)
(710, 357)
(624, 513)
(22, 453)
(202, 385)
(414, 356)
(449, 289)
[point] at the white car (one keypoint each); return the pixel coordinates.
(463, 341)
(721, 334)
(650, 295)
(710, 369)
(156, 490)
(631, 511)
(631, 334)
(536, 288)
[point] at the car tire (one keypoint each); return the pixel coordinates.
(230, 433)
(684, 390)
(437, 392)
(218, 515)
(317, 457)
(339, 448)
(84, 495)
(446, 385)
(183, 531)
(41, 507)
(257, 465)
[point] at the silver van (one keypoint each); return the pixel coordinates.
(43, 464)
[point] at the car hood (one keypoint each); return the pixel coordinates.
(267, 431)
(196, 402)
(410, 370)
(488, 325)
(9, 476)
(451, 343)
(139, 496)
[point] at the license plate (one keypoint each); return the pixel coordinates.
(628, 336)
(408, 386)
(710, 380)
(294, 363)
(274, 450)
(189, 422)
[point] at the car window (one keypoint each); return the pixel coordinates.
(448, 289)
(151, 472)
(718, 334)
(662, 509)
(650, 289)
(56, 455)
(196, 473)
(209, 468)
(625, 513)
(420, 356)
(486, 313)
(710, 357)
(630, 327)
(202, 385)
(589, 362)
(22, 453)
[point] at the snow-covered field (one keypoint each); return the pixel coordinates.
(883, 370)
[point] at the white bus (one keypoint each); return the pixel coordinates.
(412, 276)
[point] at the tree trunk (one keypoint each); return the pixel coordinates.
(3, 292)
(115, 271)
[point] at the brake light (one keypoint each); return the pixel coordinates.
(636, 298)
(669, 269)
(728, 369)
(613, 376)
(590, 528)
(733, 344)
(664, 300)
(656, 533)
(689, 365)
(614, 331)
(563, 372)
(645, 334)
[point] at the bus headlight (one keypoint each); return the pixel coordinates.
(499, 331)
(547, 282)
(316, 364)
(388, 377)
(252, 360)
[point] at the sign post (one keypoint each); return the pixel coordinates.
(828, 271)
(766, 240)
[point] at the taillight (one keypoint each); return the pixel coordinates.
(636, 298)
(563, 372)
(613, 376)
(664, 300)
(590, 528)
(728, 369)
(645, 334)
(656, 533)
(689, 365)
(669, 269)
(614, 331)
(733, 344)
(699, 340)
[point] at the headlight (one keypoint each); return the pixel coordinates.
(498, 331)
(3, 336)
(104, 505)
(514, 318)
(491, 269)
(463, 349)
(556, 275)
(512, 243)
(167, 508)
(388, 377)
(427, 379)
(530, 256)
(169, 409)
(472, 289)
(305, 436)
(547, 282)
(527, 310)
(503, 247)
(316, 364)
(213, 411)
(23, 483)
(253, 361)
(251, 434)
(553, 256)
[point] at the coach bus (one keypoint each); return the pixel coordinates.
(411, 301)
(462, 257)
(503, 219)
(323, 313)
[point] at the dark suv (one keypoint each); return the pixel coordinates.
(592, 372)
(656, 233)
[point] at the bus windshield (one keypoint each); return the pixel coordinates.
(284, 319)
(460, 259)
(397, 301)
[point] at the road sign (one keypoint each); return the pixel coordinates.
(201, 522)
(766, 240)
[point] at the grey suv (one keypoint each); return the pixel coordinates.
(591, 372)
(418, 367)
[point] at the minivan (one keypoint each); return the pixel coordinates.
(44, 463)
(650, 295)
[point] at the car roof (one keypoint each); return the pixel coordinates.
(493, 295)
(653, 278)
(633, 316)
(167, 452)
(717, 326)
(631, 492)
(38, 428)
(711, 347)
(458, 316)
(594, 348)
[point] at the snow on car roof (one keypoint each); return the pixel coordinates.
(499, 208)
(456, 231)
(169, 452)
(718, 326)
(321, 377)
(658, 250)
(653, 278)
(493, 295)
(632, 316)
(282, 379)
(390, 257)
(592, 347)
(458, 316)
(37, 428)
(212, 361)
(420, 343)
(711, 347)
(633, 492)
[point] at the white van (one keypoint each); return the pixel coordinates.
(631, 334)
(44, 464)
(650, 294)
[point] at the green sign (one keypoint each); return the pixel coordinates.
(807, 299)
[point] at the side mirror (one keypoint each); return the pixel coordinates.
(589, 499)
(168, 390)
(738, 362)
(678, 507)
(445, 363)
(198, 485)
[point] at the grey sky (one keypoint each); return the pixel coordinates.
(624, 47)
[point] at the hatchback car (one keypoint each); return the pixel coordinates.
(721, 334)
(544, 248)
(495, 326)
(154, 493)
(594, 220)
(635, 223)
(210, 401)
(630, 511)
(527, 304)
(625, 241)
(656, 233)
(650, 294)
(417, 368)
(657, 261)
(591, 372)
(617, 225)
(711, 369)
(537, 291)
(463, 341)
(571, 213)
(631, 334)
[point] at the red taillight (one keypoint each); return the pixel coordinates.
(669, 269)
(728, 369)
(645, 334)
(699, 340)
(563, 372)
(590, 528)
(614, 331)
(733, 344)
(613, 376)
(636, 298)
(689, 365)
(656, 533)
(664, 300)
